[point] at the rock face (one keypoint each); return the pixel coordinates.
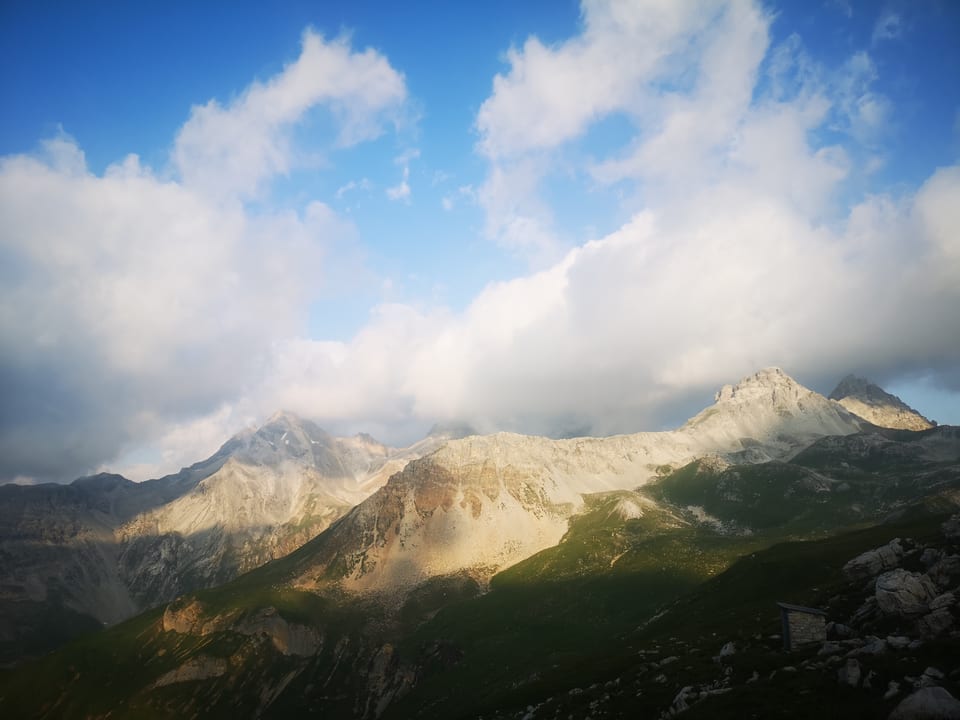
(772, 413)
(473, 504)
(108, 548)
(872, 562)
(482, 503)
(931, 703)
(875, 405)
(198, 668)
(904, 593)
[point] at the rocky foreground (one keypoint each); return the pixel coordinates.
(892, 649)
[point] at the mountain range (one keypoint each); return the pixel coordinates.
(358, 580)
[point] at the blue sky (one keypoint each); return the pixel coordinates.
(532, 216)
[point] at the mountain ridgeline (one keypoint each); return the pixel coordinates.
(505, 575)
(103, 548)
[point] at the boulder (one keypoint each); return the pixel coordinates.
(945, 571)
(931, 677)
(839, 630)
(897, 642)
(936, 623)
(951, 528)
(866, 613)
(875, 646)
(875, 561)
(849, 674)
(830, 647)
(944, 601)
(931, 703)
(903, 593)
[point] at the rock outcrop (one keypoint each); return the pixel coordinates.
(872, 562)
(903, 593)
(931, 703)
(875, 405)
(107, 548)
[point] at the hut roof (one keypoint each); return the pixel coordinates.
(800, 608)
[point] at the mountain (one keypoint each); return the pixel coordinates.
(480, 504)
(655, 600)
(875, 405)
(472, 504)
(474, 562)
(103, 548)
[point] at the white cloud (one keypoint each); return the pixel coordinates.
(231, 151)
(630, 58)
(362, 184)
(551, 94)
(735, 259)
(626, 329)
(401, 191)
(132, 303)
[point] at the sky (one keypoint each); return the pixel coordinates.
(546, 217)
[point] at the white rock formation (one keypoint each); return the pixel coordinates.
(476, 503)
(903, 593)
(109, 548)
(482, 503)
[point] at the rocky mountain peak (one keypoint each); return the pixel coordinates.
(874, 404)
(771, 409)
(770, 383)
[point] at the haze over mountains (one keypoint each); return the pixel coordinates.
(107, 548)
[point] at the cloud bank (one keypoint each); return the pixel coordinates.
(135, 299)
(141, 308)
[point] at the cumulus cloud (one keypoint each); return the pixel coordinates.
(632, 58)
(736, 257)
(230, 151)
(133, 301)
(626, 330)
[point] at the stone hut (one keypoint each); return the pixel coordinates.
(802, 625)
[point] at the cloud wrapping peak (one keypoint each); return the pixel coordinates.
(131, 302)
(140, 308)
(736, 258)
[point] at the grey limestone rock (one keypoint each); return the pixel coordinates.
(931, 703)
(936, 623)
(849, 674)
(903, 593)
(875, 561)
